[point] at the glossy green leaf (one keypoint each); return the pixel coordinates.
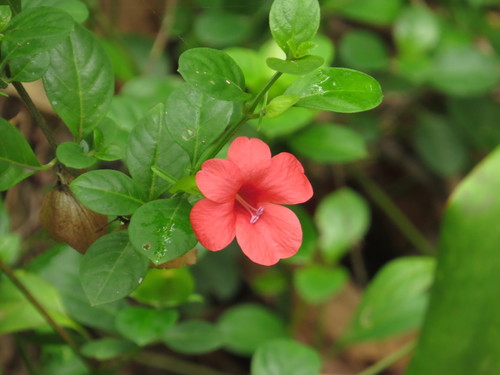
(5, 16)
(462, 325)
(243, 338)
(280, 104)
(294, 23)
(213, 72)
(36, 30)
(439, 146)
(17, 160)
(194, 337)
(285, 356)
(79, 82)
(342, 218)
(165, 287)
(111, 269)
(151, 146)
(364, 50)
(18, 313)
(29, 68)
(376, 12)
(300, 66)
(218, 28)
(73, 156)
(161, 229)
(338, 90)
(328, 143)
(107, 192)
(288, 122)
(107, 348)
(252, 65)
(395, 300)
(317, 284)
(60, 266)
(113, 142)
(464, 71)
(77, 9)
(143, 325)
(195, 120)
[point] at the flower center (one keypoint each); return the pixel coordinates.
(254, 212)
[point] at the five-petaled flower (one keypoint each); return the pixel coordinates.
(243, 195)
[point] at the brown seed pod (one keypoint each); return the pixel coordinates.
(67, 220)
(187, 259)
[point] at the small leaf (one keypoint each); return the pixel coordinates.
(328, 143)
(288, 122)
(107, 348)
(318, 284)
(280, 104)
(285, 356)
(144, 325)
(194, 337)
(342, 218)
(75, 8)
(5, 16)
(395, 301)
(300, 66)
(107, 192)
(29, 68)
(161, 229)
(374, 12)
(10, 247)
(294, 23)
(195, 120)
(243, 338)
(79, 82)
(72, 155)
(363, 50)
(219, 28)
(214, 73)
(111, 269)
(338, 90)
(151, 146)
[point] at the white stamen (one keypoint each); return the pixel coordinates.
(254, 212)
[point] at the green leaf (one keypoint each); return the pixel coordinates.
(214, 73)
(60, 266)
(165, 287)
(10, 247)
(245, 327)
(18, 313)
(107, 348)
(148, 91)
(110, 140)
(107, 192)
(462, 321)
(29, 68)
(285, 356)
(143, 325)
(342, 218)
(75, 8)
(194, 337)
(317, 284)
(270, 283)
(294, 23)
(161, 229)
(196, 120)
(300, 66)
(365, 50)
(328, 143)
(375, 12)
(395, 300)
(15, 5)
(151, 146)
(73, 156)
(218, 28)
(17, 160)
(338, 90)
(280, 104)
(288, 122)
(5, 16)
(79, 82)
(111, 269)
(464, 71)
(36, 30)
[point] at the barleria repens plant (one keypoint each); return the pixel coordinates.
(151, 170)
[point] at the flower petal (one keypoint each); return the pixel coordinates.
(251, 155)
(213, 223)
(276, 234)
(219, 180)
(285, 181)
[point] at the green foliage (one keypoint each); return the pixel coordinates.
(317, 284)
(194, 337)
(72, 155)
(107, 348)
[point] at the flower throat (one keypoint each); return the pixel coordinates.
(254, 212)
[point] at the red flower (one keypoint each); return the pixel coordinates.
(243, 197)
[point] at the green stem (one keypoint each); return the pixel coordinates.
(389, 360)
(38, 306)
(174, 365)
(229, 132)
(36, 113)
(393, 212)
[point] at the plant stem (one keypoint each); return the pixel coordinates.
(393, 212)
(175, 365)
(36, 113)
(38, 306)
(389, 360)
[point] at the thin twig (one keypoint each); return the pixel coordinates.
(389, 360)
